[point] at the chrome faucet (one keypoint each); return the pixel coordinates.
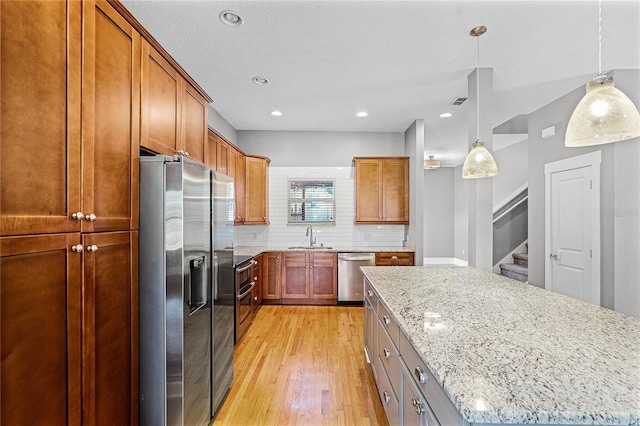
(309, 234)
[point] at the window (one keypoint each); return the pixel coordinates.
(311, 201)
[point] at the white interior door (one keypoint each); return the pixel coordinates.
(573, 228)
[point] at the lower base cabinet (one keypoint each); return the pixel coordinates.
(68, 329)
(415, 410)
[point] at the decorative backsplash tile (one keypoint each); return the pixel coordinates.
(343, 233)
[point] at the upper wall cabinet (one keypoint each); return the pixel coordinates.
(173, 113)
(256, 207)
(49, 184)
(382, 190)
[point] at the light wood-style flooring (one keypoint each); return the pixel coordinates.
(303, 365)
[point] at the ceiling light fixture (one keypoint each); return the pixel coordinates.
(445, 115)
(260, 80)
(276, 113)
(230, 18)
(361, 114)
(479, 163)
(604, 114)
(431, 163)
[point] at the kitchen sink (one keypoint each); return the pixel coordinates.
(310, 248)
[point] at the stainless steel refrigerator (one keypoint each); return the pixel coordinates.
(223, 287)
(175, 300)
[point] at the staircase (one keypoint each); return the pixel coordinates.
(519, 269)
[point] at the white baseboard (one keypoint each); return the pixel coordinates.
(444, 261)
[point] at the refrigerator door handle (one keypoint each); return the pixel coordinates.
(197, 288)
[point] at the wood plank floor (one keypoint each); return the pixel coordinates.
(303, 365)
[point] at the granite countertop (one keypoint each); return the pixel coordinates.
(254, 251)
(509, 352)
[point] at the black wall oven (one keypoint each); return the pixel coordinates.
(244, 297)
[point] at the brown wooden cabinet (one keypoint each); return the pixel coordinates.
(173, 113)
(256, 207)
(272, 276)
(382, 190)
(309, 277)
(395, 258)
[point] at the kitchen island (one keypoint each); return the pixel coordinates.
(501, 351)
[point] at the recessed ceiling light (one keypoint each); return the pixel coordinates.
(361, 114)
(230, 18)
(260, 80)
(445, 115)
(276, 113)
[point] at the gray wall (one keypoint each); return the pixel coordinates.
(317, 149)
(461, 216)
(513, 168)
(222, 126)
(414, 148)
(439, 212)
(615, 172)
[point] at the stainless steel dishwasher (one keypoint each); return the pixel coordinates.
(350, 285)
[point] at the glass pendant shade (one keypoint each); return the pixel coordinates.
(479, 163)
(431, 163)
(604, 115)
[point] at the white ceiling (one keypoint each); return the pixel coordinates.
(397, 60)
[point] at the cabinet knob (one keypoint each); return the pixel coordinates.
(414, 402)
(387, 353)
(387, 397)
(386, 319)
(90, 217)
(77, 248)
(422, 378)
(77, 216)
(394, 257)
(419, 408)
(370, 308)
(370, 293)
(92, 248)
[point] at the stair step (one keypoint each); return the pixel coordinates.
(517, 272)
(521, 259)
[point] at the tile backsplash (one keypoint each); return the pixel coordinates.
(343, 233)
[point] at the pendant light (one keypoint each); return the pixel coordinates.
(479, 162)
(605, 114)
(431, 163)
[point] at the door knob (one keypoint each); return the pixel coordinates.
(555, 256)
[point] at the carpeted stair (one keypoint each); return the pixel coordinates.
(519, 269)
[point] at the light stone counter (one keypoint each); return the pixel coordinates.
(254, 251)
(509, 352)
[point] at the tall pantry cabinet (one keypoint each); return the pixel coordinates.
(68, 214)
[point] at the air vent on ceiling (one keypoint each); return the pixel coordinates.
(458, 101)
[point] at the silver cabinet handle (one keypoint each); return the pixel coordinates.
(90, 217)
(386, 319)
(422, 378)
(370, 293)
(419, 408)
(387, 397)
(92, 248)
(387, 353)
(77, 216)
(414, 402)
(77, 248)
(369, 307)
(394, 257)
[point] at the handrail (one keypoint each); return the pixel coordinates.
(525, 198)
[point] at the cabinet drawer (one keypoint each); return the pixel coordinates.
(371, 294)
(395, 258)
(388, 323)
(440, 404)
(390, 358)
(387, 396)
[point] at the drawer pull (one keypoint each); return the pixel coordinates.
(387, 353)
(422, 378)
(370, 293)
(386, 319)
(394, 257)
(387, 397)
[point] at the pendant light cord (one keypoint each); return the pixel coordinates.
(599, 37)
(478, 94)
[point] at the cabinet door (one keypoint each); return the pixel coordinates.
(395, 184)
(195, 124)
(222, 164)
(212, 151)
(324, 280)
(110, 119)
(160, 104)
(40, 131)
(295, 273)
(110, 329)
(240, 188)
(272, 282)
(256, 191)
(368, 190)
(40, 330)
